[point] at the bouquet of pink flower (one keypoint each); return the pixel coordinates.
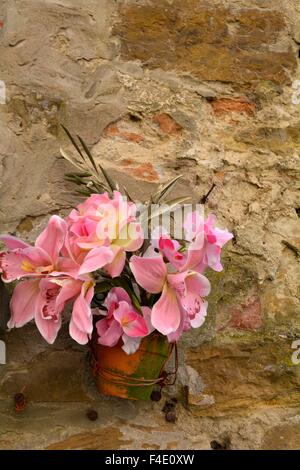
(122, 283)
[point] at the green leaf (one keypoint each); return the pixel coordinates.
(127, 194)
(165, 189)
(70, 159)
(83, 192)
(109, 180)
(83, 174)
(72, 140)
(102, 286)
(167, 207)
(88, 153)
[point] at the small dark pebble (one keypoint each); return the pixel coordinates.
(215, 445)
(92, 415)
(169, 405)
(20, 401)
(19, 398)
(171, 417)
(156, 395)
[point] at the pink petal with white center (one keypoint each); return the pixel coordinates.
(166, 313)
(96, 259)
(12, 243)
(24, 303)
(149, 272)
(51, 240)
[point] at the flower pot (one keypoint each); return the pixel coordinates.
(130, 376)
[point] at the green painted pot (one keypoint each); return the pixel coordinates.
(130, 376)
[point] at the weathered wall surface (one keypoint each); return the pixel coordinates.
(157, 88)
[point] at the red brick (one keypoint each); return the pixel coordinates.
(247, 316)
(227, 105)
(114, 131)
(127, 161)
(167, 124)
(146, 171)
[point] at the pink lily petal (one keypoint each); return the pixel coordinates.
(130, 237)
(48, 327)
(222, 236)
(156, 235)
(169, 249)
(82, 314)
(70, 288)
(48, 316)
(111, 335)
(130, 345)
(150, 273)
(147, 317)
(51, 240)
(193, 225)
(29, 261)
(24, 303)
(96, 259)
(213, 257)
(132, 323)
(195, 253)
(102, 326)
(115, 268)
(211, 221)
(199, 318)
(79, 336)
(115, 295)
(197, 283)
(166, 312)
(12, 243)
(66, 266)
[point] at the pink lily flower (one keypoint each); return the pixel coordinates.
(122, 321)
(24, 260)
(207, 242)
(101, 231)
(181, 302)
(44, 299)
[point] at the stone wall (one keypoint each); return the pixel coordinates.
(158, 88)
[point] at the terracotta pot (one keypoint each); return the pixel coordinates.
(130, 376)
